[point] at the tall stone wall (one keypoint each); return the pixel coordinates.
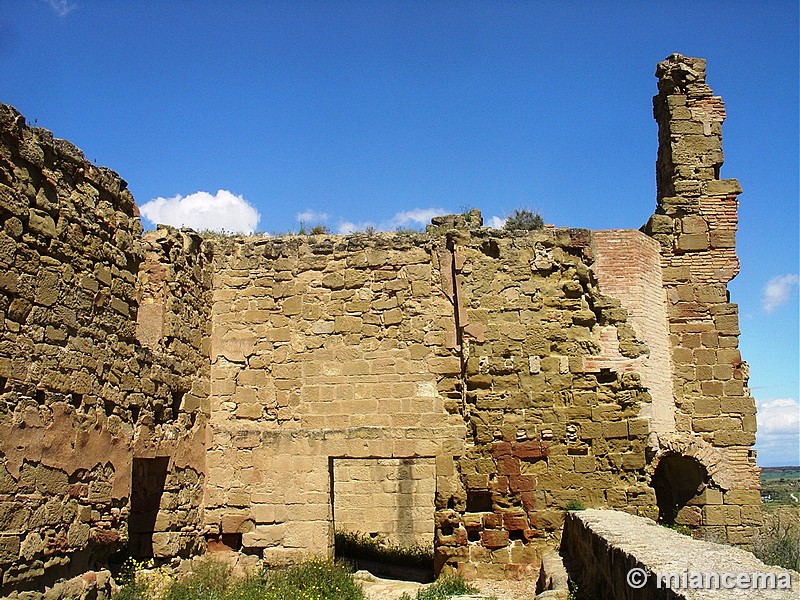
(465, 349)
(547, 426)
(77, 390)
(324, 349)
(695, 224)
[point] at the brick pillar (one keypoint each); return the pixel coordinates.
(695, 223)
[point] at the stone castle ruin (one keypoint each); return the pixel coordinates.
(170, 394)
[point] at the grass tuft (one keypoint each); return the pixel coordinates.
(448, 585)
(777, 541)
(360, 546)
(314, 579)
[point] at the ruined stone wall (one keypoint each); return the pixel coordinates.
(469, 352)
(76, 388)
(547, 428)
(695, 224)
(174, 322)
(324, 349)
(463, 386)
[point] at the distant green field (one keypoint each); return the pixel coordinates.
(780, 485)
(768, 473)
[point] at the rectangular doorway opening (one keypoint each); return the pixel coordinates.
(148, 478)
(383, 514)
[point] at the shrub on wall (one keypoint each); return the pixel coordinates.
(522, 218)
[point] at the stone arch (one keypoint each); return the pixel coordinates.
(718, 470)
(676, 481)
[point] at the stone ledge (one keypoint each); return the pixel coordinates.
(603, 545)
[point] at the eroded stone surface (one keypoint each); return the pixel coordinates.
(603, 546)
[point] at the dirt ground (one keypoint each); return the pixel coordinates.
(390, 589)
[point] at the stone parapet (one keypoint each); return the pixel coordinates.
(606, 551)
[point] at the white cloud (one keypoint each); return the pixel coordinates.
(61, 7)
(223, 211)
(778, 291)
(779, 416)
(495, 222)
(417, 216)
(312, 216)
(348, 227)
(778, 432)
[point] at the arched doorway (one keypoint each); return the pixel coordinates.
(677, 479)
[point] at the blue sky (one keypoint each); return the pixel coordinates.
(355, 114)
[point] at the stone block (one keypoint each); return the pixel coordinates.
(742, 497)
(734, 438)
(444, 365)
(166, 544)
(707, 496)
(693, 224)
(265, 536)
(615, 429)
(9, 547)
(689, 515)
(693, 241)
(723, 187)
(721, 515)
(42, 223)
(494, 538)
(585, 464)
(236, 523)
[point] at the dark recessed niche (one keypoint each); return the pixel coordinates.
(473, 535)
(76, 400)
(135, 410)
(149, 476)
(491, 249)
(232, 540)
(606, 376)
(3, 381)
(479, 501)
(177, 399)
(108, 406)
(40, 396)
(516, 534)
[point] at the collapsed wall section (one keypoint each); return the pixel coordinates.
(695, 224)
(548, 428)
(628, 267)
(76, 388)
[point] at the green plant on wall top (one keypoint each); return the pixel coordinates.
(575, 504)
(524, 219)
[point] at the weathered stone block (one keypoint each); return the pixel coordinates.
(694, 241)
(494, 538)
